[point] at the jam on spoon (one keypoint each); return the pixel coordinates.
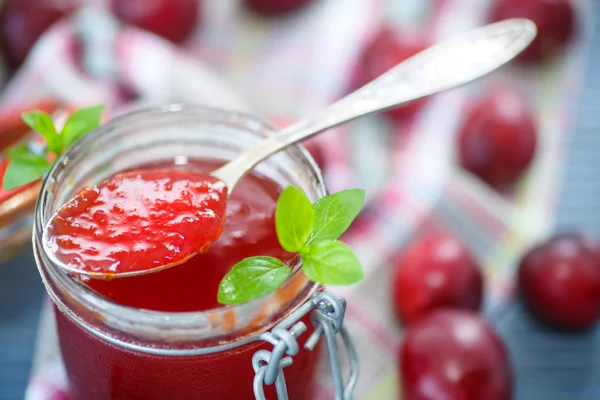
(138, 221)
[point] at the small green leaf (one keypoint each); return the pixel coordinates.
(41, 122)
(80, 123)
(294, 219)
(20, 152)
(332, 263)
(24, 167)
(335, 213)
(252, 278)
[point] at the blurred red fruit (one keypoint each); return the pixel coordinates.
(454, 354)
(560, 281)
(436, 272)
(22, 22)
(173, 20)
(555, 20)
(389, 48)
(276, 7)
(497, 140)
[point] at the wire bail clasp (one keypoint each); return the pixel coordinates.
(327, 315)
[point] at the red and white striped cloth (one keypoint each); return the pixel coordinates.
(284, 69)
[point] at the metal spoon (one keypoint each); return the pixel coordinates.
(438, 68)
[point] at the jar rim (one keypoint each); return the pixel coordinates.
(146, 316)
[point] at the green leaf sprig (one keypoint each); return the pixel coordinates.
(26, 166)
(312, 231)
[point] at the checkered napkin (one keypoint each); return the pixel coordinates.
(284, 69)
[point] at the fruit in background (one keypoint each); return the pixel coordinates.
(389, 48)
(436, 272)
(559, 281)
(454, 354)
(497, 140)
(22, 22)
(276, 7)
(174, 20)
(555, 20)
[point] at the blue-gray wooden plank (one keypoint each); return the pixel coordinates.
(21, 294)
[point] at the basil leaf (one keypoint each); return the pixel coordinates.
(24, 167)
(80, 123)
(20, 152)
(335, 213)
(294, 219)
(332, 263)
(252, 278)
(41, 122)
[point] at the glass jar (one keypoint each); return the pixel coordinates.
(115, 352)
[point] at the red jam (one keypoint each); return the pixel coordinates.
(139, 221)
(249, 230)
(100, 370)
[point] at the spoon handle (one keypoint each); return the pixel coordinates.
(438, 68)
